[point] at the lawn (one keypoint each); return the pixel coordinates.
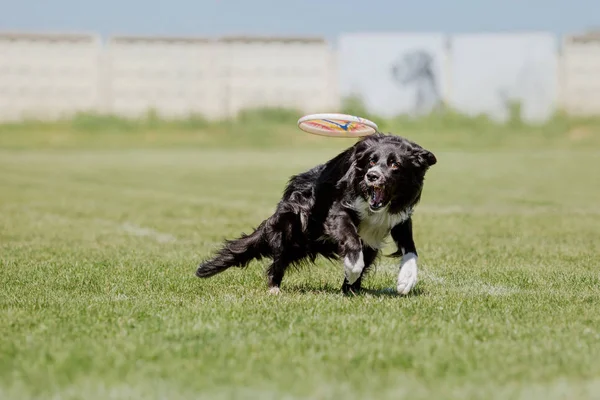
(98, 249)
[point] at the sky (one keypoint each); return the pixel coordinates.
(327, 18)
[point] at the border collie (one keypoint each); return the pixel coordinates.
(343, 209)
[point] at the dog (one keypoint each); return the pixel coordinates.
(342, 209)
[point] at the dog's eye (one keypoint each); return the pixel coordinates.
(394, 165)
(372, 162)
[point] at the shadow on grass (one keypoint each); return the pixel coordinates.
(391, 292)
(385, 292)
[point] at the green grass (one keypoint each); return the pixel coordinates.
(276, 129)
(98, 248)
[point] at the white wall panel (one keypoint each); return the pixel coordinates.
(487, 70)
(394, 73)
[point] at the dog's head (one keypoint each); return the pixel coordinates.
(388, 171)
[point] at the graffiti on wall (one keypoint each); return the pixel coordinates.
(402, 77)
(415, 70)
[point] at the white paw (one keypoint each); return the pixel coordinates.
(274, 290)
(407, 277)
(353, 270)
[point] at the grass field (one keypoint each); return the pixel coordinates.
(99, 245)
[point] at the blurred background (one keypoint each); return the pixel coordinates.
(136, 135)
(485, 62)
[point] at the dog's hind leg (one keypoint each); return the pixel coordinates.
(283, 257)
(369, 256)
(275, 274)
(286, 247)
(277, 269)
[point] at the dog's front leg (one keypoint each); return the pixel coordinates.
(342, 230)
(354, 263)
(407, 275)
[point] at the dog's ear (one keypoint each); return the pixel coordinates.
(349, 163)
(362, 146)
(349, 175)
(424, 158)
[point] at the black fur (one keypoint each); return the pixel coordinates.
(316, 215)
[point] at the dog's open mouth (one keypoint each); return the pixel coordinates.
(376, 197)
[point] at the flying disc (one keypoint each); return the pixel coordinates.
(338, 125)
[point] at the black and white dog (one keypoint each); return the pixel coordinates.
(344, 208)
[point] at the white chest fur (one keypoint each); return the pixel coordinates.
(376, 226)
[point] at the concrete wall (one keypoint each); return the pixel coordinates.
(180, 76)
(295, 73)
(489, 70)
(174, 76)
(54, 75)
(48, 75)
(394, 73)
(475, 73)
(580, 74)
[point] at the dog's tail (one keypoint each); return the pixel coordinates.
(236, 253)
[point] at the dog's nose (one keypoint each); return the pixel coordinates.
(373, 176)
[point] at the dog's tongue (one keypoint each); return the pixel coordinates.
(377, 196)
